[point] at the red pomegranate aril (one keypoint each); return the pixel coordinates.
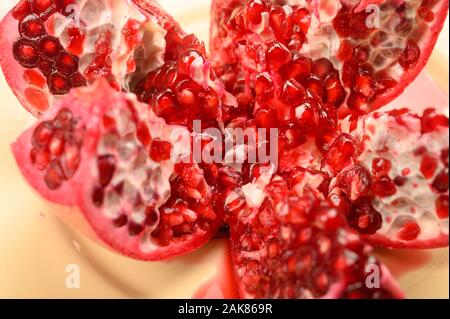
(428, 166)
(186, 59)
(31, 27)
(64, 119)
(66, 63)
(277, 55)
(426, 14)
(431, 121)
(77, 80)
(298, 68)
(46, 66)
(106, 165)
(40, 158)
(384, 187)
(293, 93)
(54, 176)
(264, 87)
(58, 83)
(410, 230)
(34, 78)
(440, 182)
(98, 196)
(56, 145)
(120, 221)
(21, 10)
(442, 206)
(381, 166)
(342, 152)
(70, 160)
(160, 150)
(76, 41)
(37, 99)
(25, 53)
(50, 46)
(254, 11)
(364, 217)
(410, 56)
(42, 134)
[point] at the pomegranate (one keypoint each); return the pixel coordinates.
(52, 46)
(290, 242)
(121, 168)
(355, 55)
(394, 175)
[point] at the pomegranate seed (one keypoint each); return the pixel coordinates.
(40, 158)
(440, 182)
(76, 41)
(400, 180)
(426, 14)
(410, 56)
(384, 187)
(37, 98)
(42, 134)
(254, 11)
(357, 101)
(266, 118)
(49, 46)
(442, 206)
(135, 229)
(313, 84)
(431, 121)
(364, 217)
(43, 7)
(445, 157)
(160, 150)
(98, 196)
(31, 27)
(54, 176)
(428, 166)
(21, 10)
(56, 145)
(299, 68)
(355, 182)
(120, 221)
(25, 53)
(46, 66)
(334, 92)
(70, 160)
(277, 55)
(293, 93)
(64, 119)
(306, 116)
(77, 80)
(381, 166)
(143, 134)
(106, 165)
(264, 87)
(343, 152)
(410, 230)
(34, 78)
(66, 63)
(58, 84)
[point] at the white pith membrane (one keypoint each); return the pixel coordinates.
(96, 17)
(383, 137)
(142, 177)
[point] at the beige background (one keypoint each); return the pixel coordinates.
(35, 247)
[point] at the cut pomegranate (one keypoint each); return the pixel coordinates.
(289, 242)
(355, 55)
(85, 154)
(74, 42)
(397, 181)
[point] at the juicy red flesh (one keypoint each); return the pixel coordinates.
(36, 49)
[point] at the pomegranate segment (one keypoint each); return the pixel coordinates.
(397, 180)
(72, 43)
(354, 55)
(142, 207)
(294, 244)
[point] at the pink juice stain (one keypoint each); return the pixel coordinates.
(222, 284)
